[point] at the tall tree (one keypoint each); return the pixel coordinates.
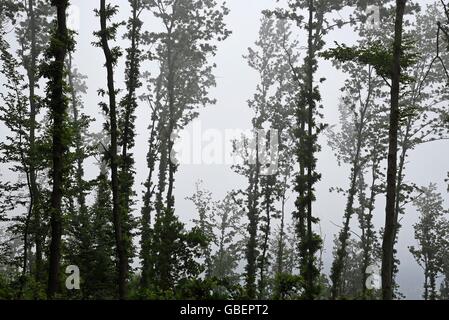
(80, 228)
(391, 218)
(60, 44)
(266, 162)
(360, 116)
(420, 115)
(262, 59)
(187, 40)
(106, 33)
(430, 233)
(14, 151)
(189, 36)
(315, 22)
(127, 116)
(33, 35)
(351, 144)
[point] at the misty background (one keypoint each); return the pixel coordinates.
(236, 83)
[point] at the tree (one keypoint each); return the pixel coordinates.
(31, 26)
(174, 253)
(420, 115)
(100, 280)
(391, 219)
(203, 203)
(227, 228)
(267, 163)
(249, 204)
(14, 150)
(127, 116)
(308, 129)
(81, 241)
(111, 55)
(288, 284)
(261, 59)
(351, 284)
(33, 36)
(60, 44)
(182, 48)
(430, 233)
(190, 31)
(357, 114)
(359, 144)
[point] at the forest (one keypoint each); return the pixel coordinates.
(100, 198)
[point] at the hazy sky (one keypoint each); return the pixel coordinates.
(236, 84)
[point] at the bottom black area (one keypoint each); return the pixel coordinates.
(167, 310)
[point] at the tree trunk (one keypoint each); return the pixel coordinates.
(147, 207)
(31, 72)
(426, 283)
(338, 265)
(266, 237)
(390, 211)
(280, 252)
(79, 174)
(122, 259)
(310, 272)
(58, 110)
(172, 123)
(130, 105)
(253, 217)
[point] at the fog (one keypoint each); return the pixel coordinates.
(236, 83)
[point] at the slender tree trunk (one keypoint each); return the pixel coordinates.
(162, 175)
(31, 171)
(26, 243)
(253, 217)
(310, 274)
(132, 75)
(426, 283)
(163, 137)
(338, 265)
(280, 253)
(171, 122)
(432, 285)
(80, 196)
(130, 104)
(34, 192)
(266, 238)
(122, 259)
(147, 207)
(390, 211)
(58, 111)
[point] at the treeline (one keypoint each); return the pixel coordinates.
(247, 245)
